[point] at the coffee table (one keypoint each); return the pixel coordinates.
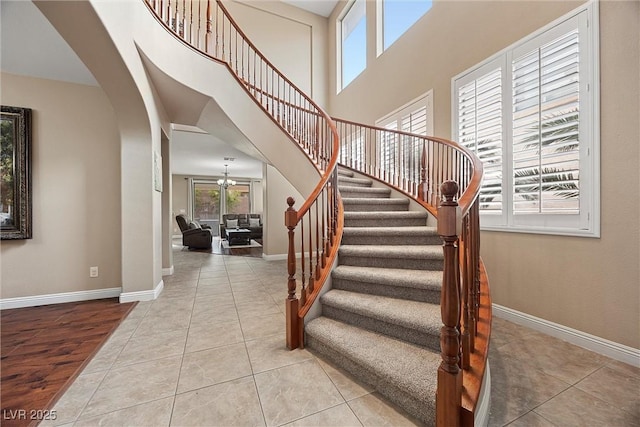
(238, 236)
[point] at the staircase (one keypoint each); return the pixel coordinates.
(381, 319)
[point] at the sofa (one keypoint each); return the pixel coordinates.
(251, 222)
(194, 235)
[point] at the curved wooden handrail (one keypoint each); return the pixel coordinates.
(445, 179)
(306, 124)
(467, 197)
(440, 175)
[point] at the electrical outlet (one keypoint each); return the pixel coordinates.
(93, 271)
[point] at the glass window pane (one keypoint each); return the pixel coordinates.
(206, 201)
(354, 42)
(238, 201)
(399, 15)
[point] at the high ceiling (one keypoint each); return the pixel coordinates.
(32, 47)
(319, 7)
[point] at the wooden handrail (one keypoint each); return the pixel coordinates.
(294, 112)
(445, 179)
(440, 175)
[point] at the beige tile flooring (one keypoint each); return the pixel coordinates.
(210, 352)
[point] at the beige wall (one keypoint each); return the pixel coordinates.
(76, 191)
(588, 284)
(180, 200)
(276, 191)
(293, 40)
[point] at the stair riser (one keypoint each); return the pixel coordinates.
(384, 222)
(411, 264)
(375, 207)
(424, 411)
(390, 240)
(353, 183)
(365, 194)
(419, 338)
(412, 294)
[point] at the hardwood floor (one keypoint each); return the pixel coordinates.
(44, 348)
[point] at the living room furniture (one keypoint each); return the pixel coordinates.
(238, 236)
(194, 235)
(251, 222)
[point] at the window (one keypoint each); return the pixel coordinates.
(397, 16)
(207, 205)
(353, 42)
(238, 199)
(352, 146)
(404, 155)
(530, 113)
(206, 201)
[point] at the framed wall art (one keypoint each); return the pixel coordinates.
(15, 173)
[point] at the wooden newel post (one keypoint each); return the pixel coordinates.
(449, 394)
(291, 303)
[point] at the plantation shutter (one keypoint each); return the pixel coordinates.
(546, 146)
(389, 148)
(403, 155)
(480, 128)
(530, 113)
(415, 123)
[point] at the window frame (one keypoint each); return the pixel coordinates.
(341, 85)
(587, 222)
(396, 117)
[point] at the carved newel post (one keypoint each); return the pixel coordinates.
(449, 395)
(291, 303)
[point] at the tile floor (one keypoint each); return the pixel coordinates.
(210, 352)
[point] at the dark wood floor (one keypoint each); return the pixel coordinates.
(44, 348)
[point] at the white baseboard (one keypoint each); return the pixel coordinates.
(142, 295)
(279, 257)
(599, 345)
(168, 271)
(276, 257)
(60, 298)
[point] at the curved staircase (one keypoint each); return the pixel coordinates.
(381, 319)
(406, 314)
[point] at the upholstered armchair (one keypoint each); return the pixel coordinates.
(194, 235)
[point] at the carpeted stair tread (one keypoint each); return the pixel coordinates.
(417, 279)
(345, 172)
(396, 234)
(386, 215)
(369, 201)
(421, 316)
(404, 373)
(365, 191)
(408, 231)
(408, 252)
(354, 182)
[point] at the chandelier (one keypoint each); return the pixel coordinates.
(226, 182)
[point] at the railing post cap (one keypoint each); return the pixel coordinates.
(449, 216)
(449, 189)
(291, 201)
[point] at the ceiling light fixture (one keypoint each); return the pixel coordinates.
(226, 182)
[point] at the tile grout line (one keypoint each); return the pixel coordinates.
(184, 349)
